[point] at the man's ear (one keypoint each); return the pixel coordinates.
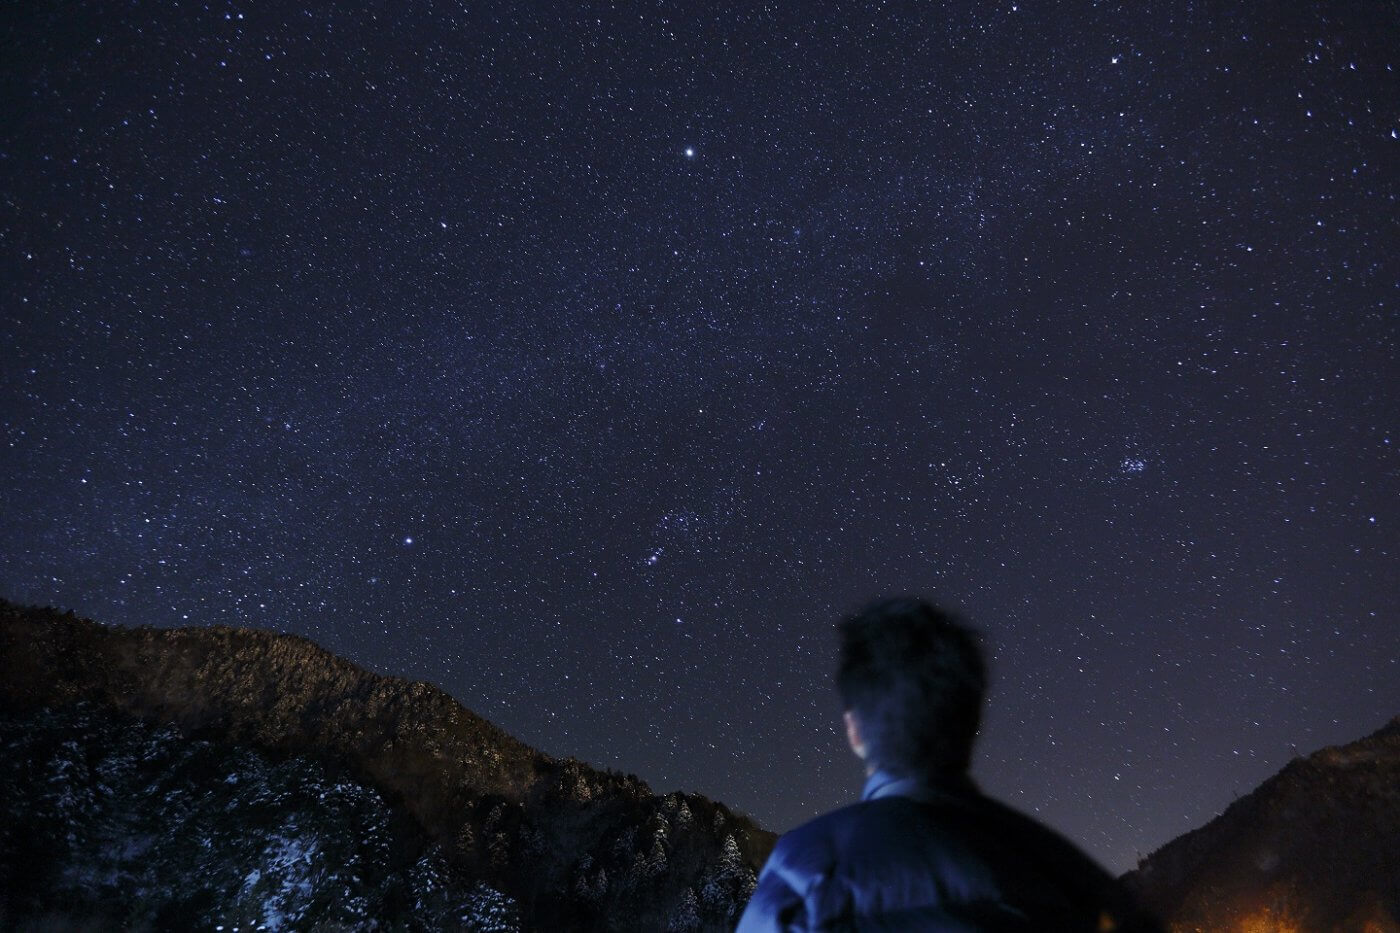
(853, 734)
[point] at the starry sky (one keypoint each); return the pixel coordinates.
(591, 361)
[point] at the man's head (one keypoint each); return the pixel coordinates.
(912, 677)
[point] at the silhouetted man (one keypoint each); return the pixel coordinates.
(924, 850)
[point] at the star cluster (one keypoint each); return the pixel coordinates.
(591, 362)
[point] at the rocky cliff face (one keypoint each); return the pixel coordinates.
(501, 835)
(1316, 847)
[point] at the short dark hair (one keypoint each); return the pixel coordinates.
(914, 676)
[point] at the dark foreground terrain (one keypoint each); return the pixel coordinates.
(196, 778)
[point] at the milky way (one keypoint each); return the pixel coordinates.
(592, 362)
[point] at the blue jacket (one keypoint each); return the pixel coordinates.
(932, 856)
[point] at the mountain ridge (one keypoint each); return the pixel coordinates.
(1314, 847)
(542, 829)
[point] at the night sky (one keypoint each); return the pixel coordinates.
(592, 362)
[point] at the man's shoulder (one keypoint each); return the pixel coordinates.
(944, 815)
(968, 836)
(819, 834)
(889, 855)
(845, 820)
(869, 829)
(946, 853)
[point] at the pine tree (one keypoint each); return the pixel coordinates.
(686, 917)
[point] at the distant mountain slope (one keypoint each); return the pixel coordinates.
(1315, 847)
(110, 823)
(571, 846)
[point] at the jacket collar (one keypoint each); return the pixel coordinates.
(923, 787)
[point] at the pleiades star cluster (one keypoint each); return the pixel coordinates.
(591, 361)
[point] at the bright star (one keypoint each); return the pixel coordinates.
(689, 152)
